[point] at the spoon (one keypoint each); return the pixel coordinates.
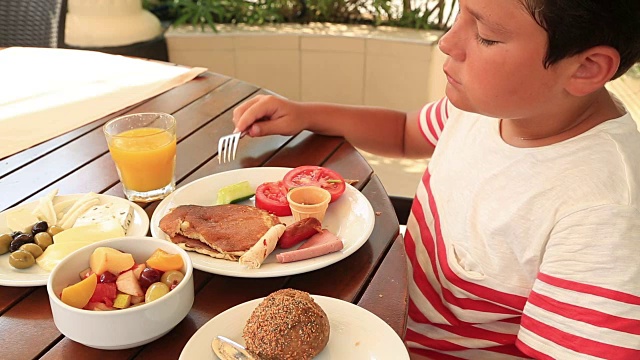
(227, 349)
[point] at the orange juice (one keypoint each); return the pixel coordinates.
(145, 158)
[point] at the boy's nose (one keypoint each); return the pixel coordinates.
(446, 45)
(451, 44)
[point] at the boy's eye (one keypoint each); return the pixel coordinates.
(485, 42)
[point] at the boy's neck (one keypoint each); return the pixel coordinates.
(571, 122)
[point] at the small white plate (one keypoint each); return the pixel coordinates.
(355, 333)
(351, 218)
(37, 276)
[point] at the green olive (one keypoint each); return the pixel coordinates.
(21, 259)
(5, 242)
(43, 240)
(54, 229)
(34, 249)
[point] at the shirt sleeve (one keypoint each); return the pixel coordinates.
(585, 302)
(432, 119)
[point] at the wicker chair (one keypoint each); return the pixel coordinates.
(32, 23)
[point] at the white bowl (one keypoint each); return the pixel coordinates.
(119, 329)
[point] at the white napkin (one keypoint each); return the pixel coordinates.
(46, 92)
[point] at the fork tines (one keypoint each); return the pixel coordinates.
(227, 147)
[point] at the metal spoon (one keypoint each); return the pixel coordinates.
(227, 349)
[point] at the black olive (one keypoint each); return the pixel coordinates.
(40, 226)
(15, 234)
(19, 241)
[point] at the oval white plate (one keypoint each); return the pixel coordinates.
(355, 332)
(351, 218)
(37, 276)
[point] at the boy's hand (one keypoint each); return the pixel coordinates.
(269, 115)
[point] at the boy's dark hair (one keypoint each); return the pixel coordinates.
(577, 25)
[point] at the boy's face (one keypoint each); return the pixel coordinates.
(495, 61)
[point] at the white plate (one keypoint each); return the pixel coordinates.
(350, 217)
(37, 276)
(355, 333)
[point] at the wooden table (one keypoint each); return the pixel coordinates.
(374, 277)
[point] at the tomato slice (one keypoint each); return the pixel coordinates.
(316, 176)
(272, 197)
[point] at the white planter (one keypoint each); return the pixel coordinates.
(349, 64)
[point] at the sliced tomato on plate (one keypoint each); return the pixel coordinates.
(316, 176)
(272, 197)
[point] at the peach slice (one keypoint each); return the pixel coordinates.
(163, 261)
(79, 294)
(111, 260)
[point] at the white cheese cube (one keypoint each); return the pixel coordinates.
(104, 212)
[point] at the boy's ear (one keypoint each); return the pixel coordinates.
(593, 68)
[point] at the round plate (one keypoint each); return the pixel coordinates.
(37, 276)
(351, 218)
(355, 332)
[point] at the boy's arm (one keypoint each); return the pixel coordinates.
(376, 130)
(380, 131)
(585, 301)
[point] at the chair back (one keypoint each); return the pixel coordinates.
(32, 23)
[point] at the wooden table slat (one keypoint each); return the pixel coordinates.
(387, 292)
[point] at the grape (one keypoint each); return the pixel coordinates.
(172, 278)
(108, 277)
(155, 292)
(149, 276)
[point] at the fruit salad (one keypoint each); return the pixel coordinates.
(114, 280)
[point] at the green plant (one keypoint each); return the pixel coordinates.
(417, 14)
(634, 72)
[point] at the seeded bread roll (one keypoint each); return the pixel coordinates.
(287, 324)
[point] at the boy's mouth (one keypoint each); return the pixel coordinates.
(451, 79)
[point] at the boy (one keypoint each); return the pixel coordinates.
(524, 237)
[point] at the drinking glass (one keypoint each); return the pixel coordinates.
(143, 148)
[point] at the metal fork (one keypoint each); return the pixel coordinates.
(228, 146)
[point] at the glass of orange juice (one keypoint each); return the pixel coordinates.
(143, 147)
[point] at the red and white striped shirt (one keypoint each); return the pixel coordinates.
(525, 252)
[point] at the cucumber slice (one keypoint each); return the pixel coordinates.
(234, 193)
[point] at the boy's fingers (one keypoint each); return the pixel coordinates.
(260, 110)
(239, 111)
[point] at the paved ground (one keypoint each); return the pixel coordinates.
(399, 176)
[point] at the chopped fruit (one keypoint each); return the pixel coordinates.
(108, 277)
(128, 284)
(137, 269)
(163, 261)
(98, 306)
(155, 292)
(104, 286)
(78, 295)
(122, 301)
(111, 260)
(86, 272)
(149, 276)
(172, 278)
(104, 293)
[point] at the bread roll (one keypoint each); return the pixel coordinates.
(287, 324)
